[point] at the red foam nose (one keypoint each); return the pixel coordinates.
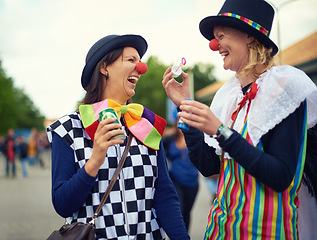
(214, 45)
(141, 67)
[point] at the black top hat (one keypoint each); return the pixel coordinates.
(106, 45)
(254, 17)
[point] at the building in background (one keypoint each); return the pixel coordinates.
(303, 55)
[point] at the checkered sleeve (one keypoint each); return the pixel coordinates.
(70, 185)
(63, 127)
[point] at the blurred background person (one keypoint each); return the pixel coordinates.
(9, 151)
(307, 210)
(182, 172)
(2, 139)
(41, 142)
(22, 147)
(211, 183)
(32, 147)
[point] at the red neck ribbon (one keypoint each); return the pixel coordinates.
(251, 93)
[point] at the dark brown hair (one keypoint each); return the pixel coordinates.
(95, 89)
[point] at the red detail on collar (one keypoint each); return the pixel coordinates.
(91, 129)
(251, 93)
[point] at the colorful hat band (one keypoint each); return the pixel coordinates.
(248, 21)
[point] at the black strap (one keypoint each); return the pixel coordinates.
(113, 179)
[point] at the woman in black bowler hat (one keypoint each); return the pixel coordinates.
(86, 149)
(254, 133)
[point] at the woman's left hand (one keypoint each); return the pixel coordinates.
(103, 139)
(199, 115)
(174, 90)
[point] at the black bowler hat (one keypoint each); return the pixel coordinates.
(106, 45)
(254, 17)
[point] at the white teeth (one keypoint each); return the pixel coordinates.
(133, 78)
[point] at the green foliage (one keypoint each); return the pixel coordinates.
(202, 75)
(150, 92)
(16, 109)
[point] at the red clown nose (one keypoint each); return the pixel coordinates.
(141, 67)
(214, 45)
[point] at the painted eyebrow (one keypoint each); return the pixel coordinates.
(132, 56)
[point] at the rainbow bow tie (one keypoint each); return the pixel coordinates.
(145, 125)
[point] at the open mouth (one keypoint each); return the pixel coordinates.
(224, 53)
(132, 79)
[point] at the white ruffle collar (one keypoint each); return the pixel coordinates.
(280, 91)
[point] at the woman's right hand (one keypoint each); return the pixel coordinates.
(199, 115)
(102, 141)
(176, 91)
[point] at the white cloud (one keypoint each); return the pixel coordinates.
(43, 44)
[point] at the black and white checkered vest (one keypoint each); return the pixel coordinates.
(128, 212)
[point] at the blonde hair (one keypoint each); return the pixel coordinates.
(258, 54)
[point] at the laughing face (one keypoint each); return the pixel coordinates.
(123, 76)
(233, 47)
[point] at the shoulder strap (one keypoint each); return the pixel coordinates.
(113, 179)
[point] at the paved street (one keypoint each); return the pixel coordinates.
(26, 209)
(27, 213)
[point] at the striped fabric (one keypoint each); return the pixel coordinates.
(145, 125)
(247, 209)
(248, 21)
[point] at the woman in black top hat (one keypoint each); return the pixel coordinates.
(254, 132)
(86, 151)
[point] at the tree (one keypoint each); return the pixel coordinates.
(203, 76)
(16, 108)
(149, 90)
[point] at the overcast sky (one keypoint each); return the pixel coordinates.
(43, 43)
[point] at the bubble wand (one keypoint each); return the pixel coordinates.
(177, 69)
